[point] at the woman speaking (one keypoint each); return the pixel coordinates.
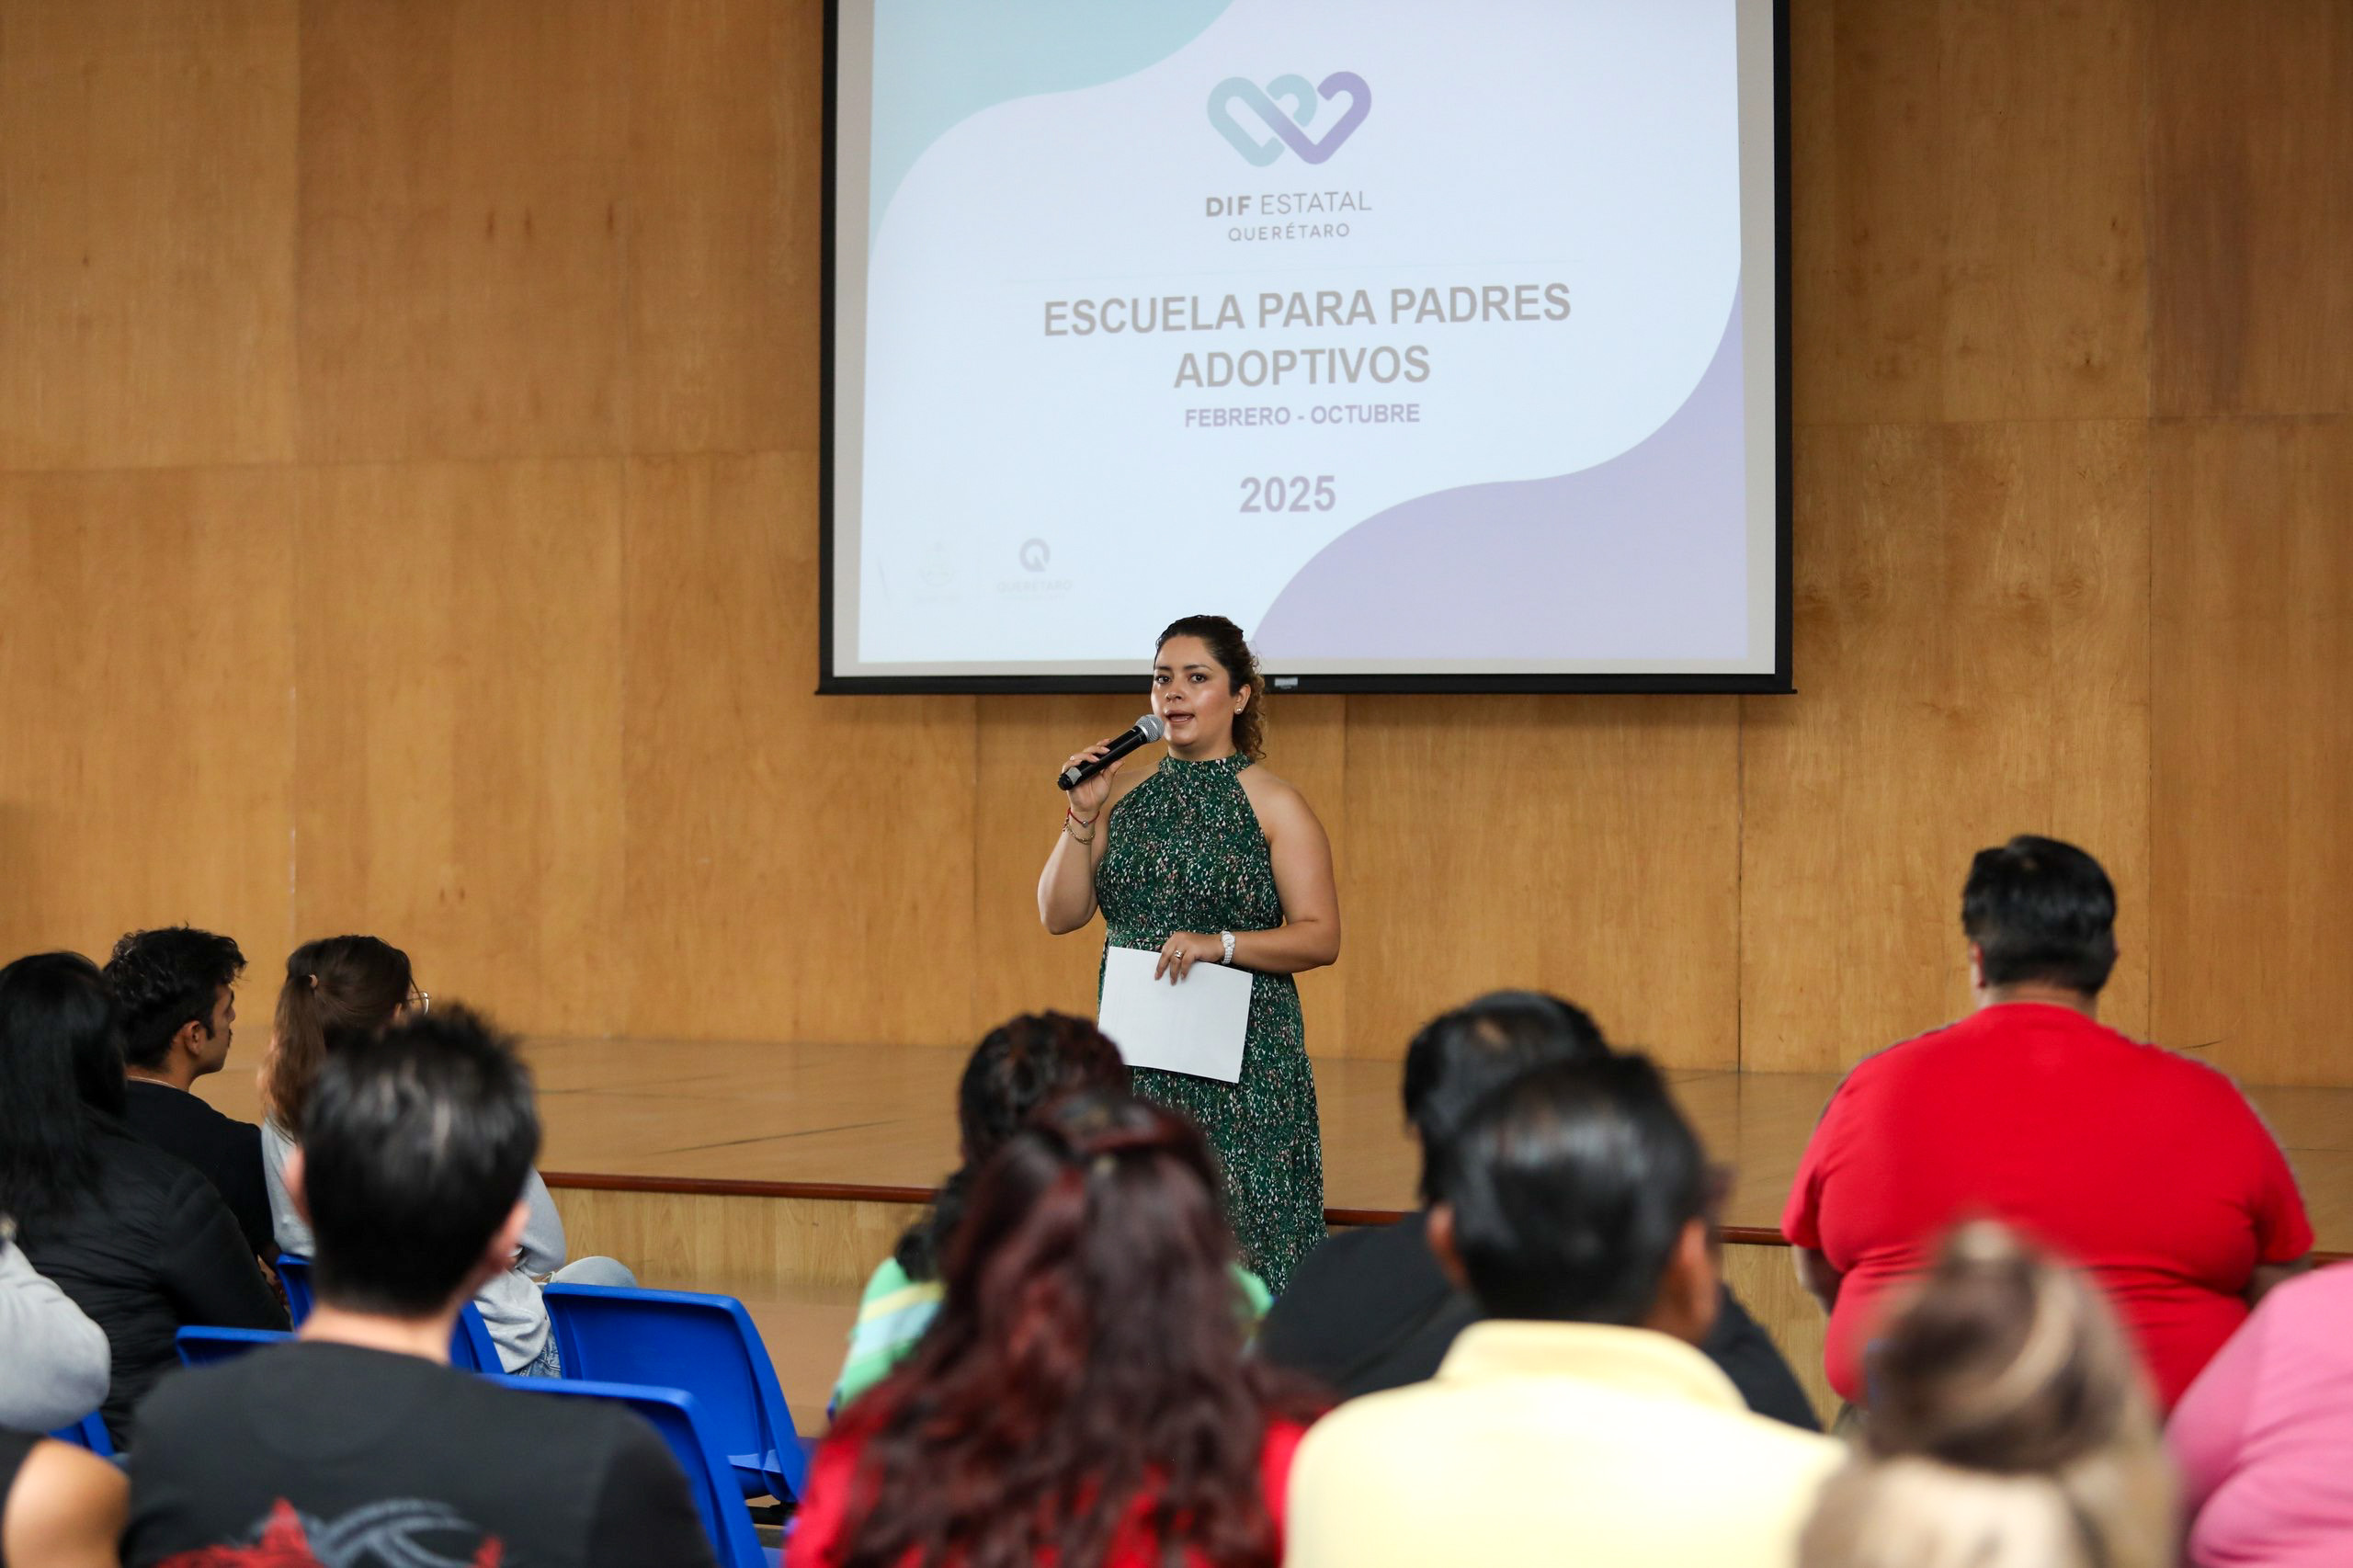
(1209, 858)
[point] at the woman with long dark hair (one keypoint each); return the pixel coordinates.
(1083, 1396)
(140, 1240)
(340, 993)
(1211, 858)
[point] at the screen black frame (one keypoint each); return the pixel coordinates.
(1779, 681)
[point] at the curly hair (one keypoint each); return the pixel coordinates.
(1020, 1064)
(1232, 651)
(1086, 1375)
(164, 981)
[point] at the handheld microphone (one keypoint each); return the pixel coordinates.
(1142, 732)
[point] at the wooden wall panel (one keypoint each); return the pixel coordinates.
(458, 645)
(146, 232)
(725, 104)
(1972, 645)
(1967, 205)
(146, 741)
(462, 278)
(2254, 743)
(798, 868)
(2251, 192)
(1584, 844)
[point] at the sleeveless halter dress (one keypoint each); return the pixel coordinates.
(1186, 854)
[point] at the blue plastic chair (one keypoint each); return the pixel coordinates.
(681, 1420)
(294, 1273)
(707, 1345)
(203, 1347)
(90, 1433)
(471, 1349)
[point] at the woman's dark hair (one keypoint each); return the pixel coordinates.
(1088, 1359)
(2041, 909)
(1018, 1066)
(60, 1056)
(164, 980)
(339, 990)
(1231, 652)
(1570, 1186)
(1459, 1058)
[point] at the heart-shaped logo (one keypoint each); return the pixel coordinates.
(1287, 128)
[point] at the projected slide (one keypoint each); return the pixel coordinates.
(1427, 341)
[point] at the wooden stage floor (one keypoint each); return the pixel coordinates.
(866, 1129)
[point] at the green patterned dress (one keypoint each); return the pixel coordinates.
(1186, 854)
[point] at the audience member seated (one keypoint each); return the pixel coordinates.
(1083, 1395)
(1577, 1421)
(2009, 1427)
(2264, 1436)
(60, 1507)
(2147, 1168)
(136, 1237)
(1369, 1309)
(414, 1160)
(342, 991)
(1022, 1065)
(55, 1369)
(175, 990)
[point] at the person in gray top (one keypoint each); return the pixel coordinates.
(343, 991)
(55, 1370)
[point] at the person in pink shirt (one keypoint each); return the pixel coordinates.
(2265, 1436)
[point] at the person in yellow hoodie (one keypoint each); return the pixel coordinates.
(1577, 1422)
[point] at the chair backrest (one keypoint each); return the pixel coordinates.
(679, 1418)
(294, 1273)
(471, 1347)
(90, 1433)
(707, 1345)
(202, 1347)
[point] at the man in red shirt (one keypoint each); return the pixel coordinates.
(2147, 1168)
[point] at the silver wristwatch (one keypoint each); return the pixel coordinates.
(1226, 939)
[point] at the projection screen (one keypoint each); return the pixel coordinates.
(1444, 347)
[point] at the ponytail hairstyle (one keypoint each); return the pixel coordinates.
(1086, 1381)
(1231, 652)
(2009, 1427)
(1020, 1064)
(339, 991)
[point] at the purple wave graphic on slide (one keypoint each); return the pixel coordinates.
(1642, 556)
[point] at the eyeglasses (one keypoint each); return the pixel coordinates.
(419, 1001)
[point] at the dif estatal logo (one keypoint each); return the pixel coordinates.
(1290, 128)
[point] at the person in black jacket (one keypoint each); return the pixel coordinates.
(176, 991)
(135, 1237)
(1369, 1309)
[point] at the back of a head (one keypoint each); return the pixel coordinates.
(60, 1056)
(1091, 1326)
(415, 1151)
(2008, 1425)
(1570, 1188)
(166, 979)
(337, 991)
(1021, 1065)
(2040, 910)
(1018, 1066)
(1462, 1057)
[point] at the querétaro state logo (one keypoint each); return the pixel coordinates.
(1290, 129)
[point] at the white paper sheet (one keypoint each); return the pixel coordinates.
(1196, 1026)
